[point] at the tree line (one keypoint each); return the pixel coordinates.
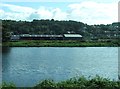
(56, 27)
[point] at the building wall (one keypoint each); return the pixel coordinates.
(72, 38)
(41, 38)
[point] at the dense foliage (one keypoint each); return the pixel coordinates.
(73, 83)
(110, 31)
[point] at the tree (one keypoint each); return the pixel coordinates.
(5, 35)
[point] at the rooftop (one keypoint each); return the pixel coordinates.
(27, 35)
(72, 35)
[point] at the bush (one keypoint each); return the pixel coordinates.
(73, 83)
(8, 86)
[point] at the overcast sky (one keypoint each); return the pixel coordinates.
(86, 11)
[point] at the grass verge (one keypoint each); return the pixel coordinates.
(59, 43)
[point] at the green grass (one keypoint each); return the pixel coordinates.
(59, 43)
(73, 83)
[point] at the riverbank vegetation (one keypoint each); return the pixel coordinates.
(59, 43)
(73, 83)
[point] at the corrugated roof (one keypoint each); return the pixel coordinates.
(72, 35)
(27, 35)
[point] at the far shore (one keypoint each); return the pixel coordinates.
(59, 43)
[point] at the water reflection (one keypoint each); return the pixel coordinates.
(6, 50)
(6, 58)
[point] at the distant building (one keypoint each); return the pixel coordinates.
(15, 37)
(46, 37)
(41, 37)
(72, 37)
(36, 37)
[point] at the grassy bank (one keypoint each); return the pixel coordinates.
(59, 43)
(73, 83)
